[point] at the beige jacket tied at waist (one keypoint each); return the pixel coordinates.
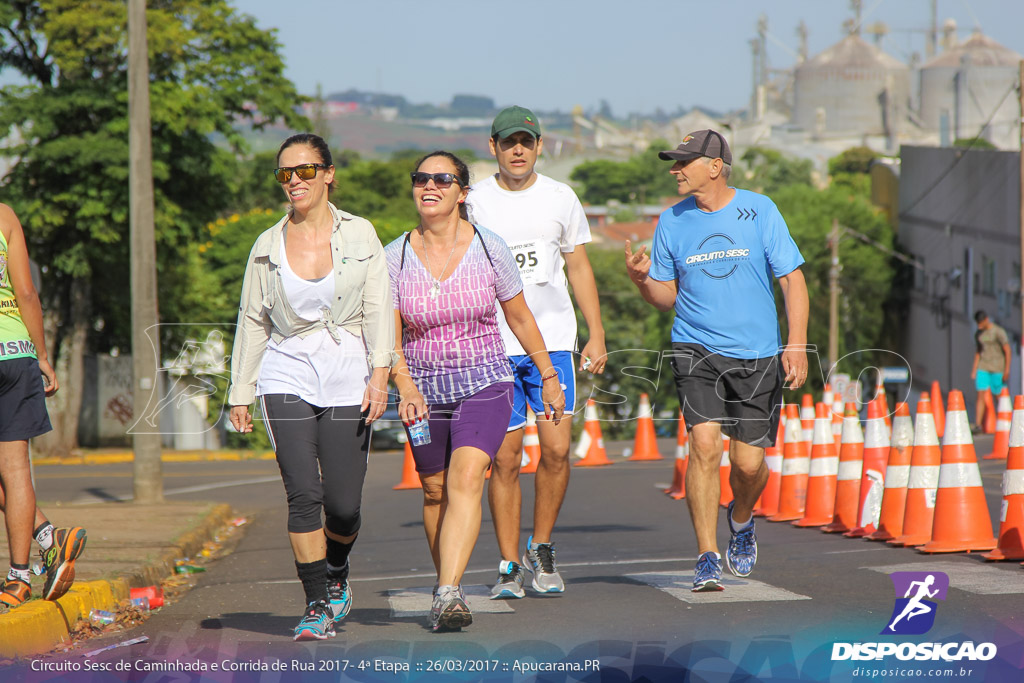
(362, 302)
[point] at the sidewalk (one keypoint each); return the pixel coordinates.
(128, 546)
(108, 456)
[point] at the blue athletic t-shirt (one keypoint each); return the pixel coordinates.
(723, 262)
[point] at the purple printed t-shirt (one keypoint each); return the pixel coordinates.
(452, 343)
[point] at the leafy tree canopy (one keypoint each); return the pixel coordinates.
(67, 130)
(643, 178)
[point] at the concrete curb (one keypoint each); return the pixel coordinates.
(41, 625)
(114, 457)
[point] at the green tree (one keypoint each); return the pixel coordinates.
(643, 178)
(866, 276)
(768, 170)
(210, 70)
(637, 337)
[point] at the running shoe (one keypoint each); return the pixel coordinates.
(14, 593)
(742, 552)
(708, 576)
(449, 611)
(540, 560)
(339, 594)
(510, 581)
(59, 561)
(317, 623)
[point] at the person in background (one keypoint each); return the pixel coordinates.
(543, 222)
(23, 415)
(448, 278)
(991, 368)
(314, 343)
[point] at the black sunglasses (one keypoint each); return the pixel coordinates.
(441, 180)
(304, 171)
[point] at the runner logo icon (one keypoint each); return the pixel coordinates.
(914, 611)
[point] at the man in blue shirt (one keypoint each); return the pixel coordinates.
(713, 260)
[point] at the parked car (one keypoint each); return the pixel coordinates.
(388, 431)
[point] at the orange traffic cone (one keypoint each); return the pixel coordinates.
(531, 444)
(807, 418)
(678, 488)
(897, 472)
(837, 423)
(938, 411)
(990, 413)
(1004, 413)
(962, 522)
(1011, 527)
(795, 466)
(768, 503)
(883, 405)
(851, 456)
(591, 446)
(645, 445)
(821, 484)
(923, 480)
(872, 480)
(827, 397)
(410, 478)
(724, 469)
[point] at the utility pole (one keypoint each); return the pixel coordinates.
(147, 478)
(833, 296)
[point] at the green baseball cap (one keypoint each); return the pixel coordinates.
(513, 119)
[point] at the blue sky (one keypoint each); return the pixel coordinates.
(636, 54)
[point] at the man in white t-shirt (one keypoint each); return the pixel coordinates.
(543, 223)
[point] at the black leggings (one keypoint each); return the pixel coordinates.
(322, 456)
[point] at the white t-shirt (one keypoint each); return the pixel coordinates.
(539, 224)
(315, 368)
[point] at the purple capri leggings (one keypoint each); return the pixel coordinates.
(479, 420)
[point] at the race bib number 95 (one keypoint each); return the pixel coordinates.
(531, 259)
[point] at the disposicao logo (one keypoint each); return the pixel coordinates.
(914, 614)
(914, 611)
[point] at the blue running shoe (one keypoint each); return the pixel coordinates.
(339, 594)
(317, 623)
(708, 576)
(742, 553)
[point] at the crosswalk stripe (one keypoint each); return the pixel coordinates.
(679, 585)
(415, 602)
(972, 577)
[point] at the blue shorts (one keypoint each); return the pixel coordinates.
(988, 380)
(527, 384)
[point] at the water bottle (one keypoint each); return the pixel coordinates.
(100, 616)
(419, 432)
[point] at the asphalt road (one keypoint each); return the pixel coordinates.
(626, 551)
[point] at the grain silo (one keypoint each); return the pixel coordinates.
(852, 87)
(972, 85)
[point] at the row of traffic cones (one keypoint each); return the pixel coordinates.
(909, 492)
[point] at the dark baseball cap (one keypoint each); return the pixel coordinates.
(514, 119)
(702, 143)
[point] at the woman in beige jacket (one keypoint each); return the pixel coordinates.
(314, 343)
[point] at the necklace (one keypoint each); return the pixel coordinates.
(435, 288)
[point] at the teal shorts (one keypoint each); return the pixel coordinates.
(988, 380)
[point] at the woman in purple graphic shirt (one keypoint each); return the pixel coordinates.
(447, 277)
